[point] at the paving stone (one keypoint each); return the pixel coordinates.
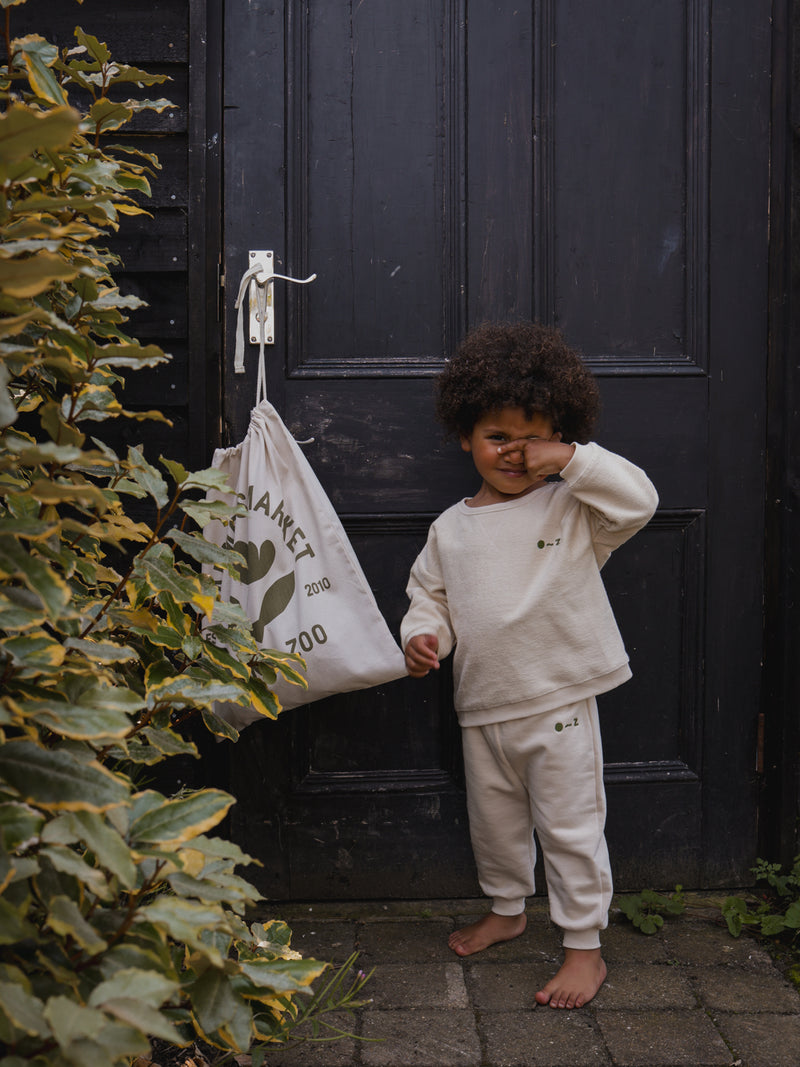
(352, 910)
(702, 944)
(506, 986)
(421, 1038)
(403, 941)
(543, 1037)
(418, 985)
(641, 986)
(726, 989)
(657, 1038)
(622, 942)
(332, 942)
(763, 1040)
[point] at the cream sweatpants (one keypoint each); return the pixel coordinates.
(544, 773)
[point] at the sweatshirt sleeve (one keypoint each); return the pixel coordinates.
(428, 612)
(620, 497)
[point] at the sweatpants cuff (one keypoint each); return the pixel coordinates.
(584, 939)
(508, 907)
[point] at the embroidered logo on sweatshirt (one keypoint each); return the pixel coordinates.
(548, 544)
(566, 725)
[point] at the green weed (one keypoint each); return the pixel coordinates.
(777, 913)
(646, 910)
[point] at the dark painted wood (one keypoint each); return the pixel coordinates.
(739, 329)
(498, 143)
(169, 259)
(781, 735)
(155, 244)
(443, 163)
(204, 230)
(163, 36)
(630, 160)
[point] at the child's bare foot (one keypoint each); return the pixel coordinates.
(578, 980)
(486, 931)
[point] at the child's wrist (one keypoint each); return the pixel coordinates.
(566, 452)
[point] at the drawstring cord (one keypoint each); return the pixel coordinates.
(258, 293)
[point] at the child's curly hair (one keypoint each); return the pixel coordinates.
(523, 365)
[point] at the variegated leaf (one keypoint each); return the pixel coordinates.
(65, 919)
(177, 821)
(55, 780)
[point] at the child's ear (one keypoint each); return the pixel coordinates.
(556, 436)
(466, 443)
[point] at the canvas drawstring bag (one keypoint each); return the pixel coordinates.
(302, 585)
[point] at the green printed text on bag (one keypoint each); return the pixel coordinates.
(302, 585)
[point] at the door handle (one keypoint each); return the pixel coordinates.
(262, 308)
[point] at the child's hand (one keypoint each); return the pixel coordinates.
(540, 457)
(421, 655)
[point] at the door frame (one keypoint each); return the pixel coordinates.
(779, 837)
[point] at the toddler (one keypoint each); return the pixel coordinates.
(509, 580)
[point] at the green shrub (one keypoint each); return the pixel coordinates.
(120, 917)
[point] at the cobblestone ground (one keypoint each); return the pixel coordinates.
(689, 995)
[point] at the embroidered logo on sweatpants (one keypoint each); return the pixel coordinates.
(566, 725)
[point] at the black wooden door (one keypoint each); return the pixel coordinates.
(438, 163)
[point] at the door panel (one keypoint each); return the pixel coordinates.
(369, 88)
(630, 114)
(441, 162)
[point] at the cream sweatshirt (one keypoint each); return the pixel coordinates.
(515, 589)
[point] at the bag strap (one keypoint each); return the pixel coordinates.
(258, 293)
(257, 287)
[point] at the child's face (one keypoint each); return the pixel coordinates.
(505, 475)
